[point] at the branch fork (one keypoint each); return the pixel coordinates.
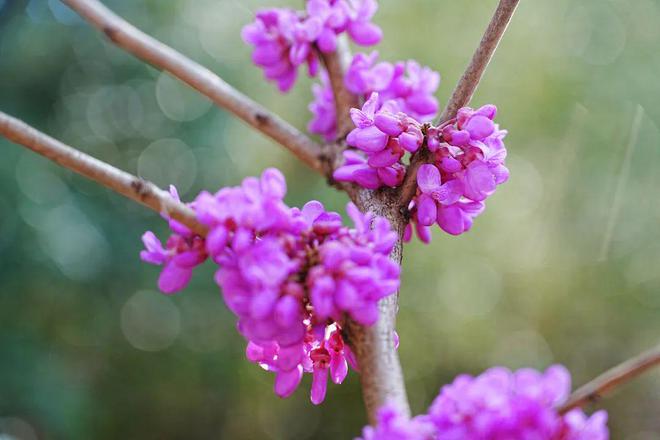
(381, 375)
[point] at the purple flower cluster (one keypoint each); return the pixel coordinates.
(497, 405)
(393, 426)
(405, 86)
(468, 157)
(284, 39)
(467, 162)
(290, 275)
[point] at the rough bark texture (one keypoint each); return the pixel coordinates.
(381, 375)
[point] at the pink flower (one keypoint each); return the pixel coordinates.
(291, 276)
(496, 405)
(182, 253)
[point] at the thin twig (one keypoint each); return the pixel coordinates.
(336, 64)
(135, 188)
(611, 379)
(147, 48)
(465, 87)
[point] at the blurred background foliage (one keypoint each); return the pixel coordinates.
(559, 268)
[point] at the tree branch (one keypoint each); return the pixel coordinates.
(336, 64)
(133, 187)
(163, 57)
(611, 379)
(381, 375)
(465, 87)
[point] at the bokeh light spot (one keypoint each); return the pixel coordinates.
(470, 287)
(168, 162)
(150, 321)
(594, 32)
(13, 428)
(178, 101)
(77, 247)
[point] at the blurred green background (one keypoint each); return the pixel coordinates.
(562, 267)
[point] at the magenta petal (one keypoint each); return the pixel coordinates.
(327, 41)
(388, 123)
(319, 385)
(263, 303)
(450, 219)
(173, 278)
(346, 296)
(273, 183)
(266, 54)
(501, 173)
(383, 158)
(327, 223)
(298, 53)
(287, 311)
(360, 119)
(450, 165)
(488, 110)
(410, 142)
(557, 381)
(390, 176)
(460, 138)
(478, 181)
(367, 178)
(286, 382)
(312, 210)
(366, 315)
(407, 233)
(423, 104)
(345, 173)
(423, 233)
(254, 352)
(479, 127)
(428, 178)
(449, 192)
(427, 211)
(338, 368)
(369, 139)
(216, 241)
(289, 358)
(189, 259)
(322, 297)
(365, 33)
(350, 357)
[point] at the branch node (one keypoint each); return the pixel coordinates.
(111, 32)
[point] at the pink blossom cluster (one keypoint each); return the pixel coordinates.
(290, 275)
(284, 39)
(466, 165)
(499, 404)
(394, 426)
(406, 86)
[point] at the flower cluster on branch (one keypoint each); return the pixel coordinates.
(497, 405)
(406, 86)
(285, 39)
(290, 275)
